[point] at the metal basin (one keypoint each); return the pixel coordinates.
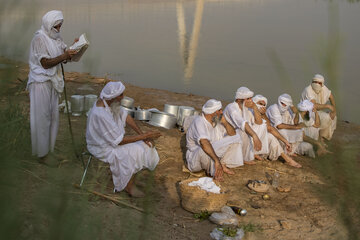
(90, 99)
(77, 105)
(184, 111)
(127, 102)
(130, 111)
(162, 119)
(173, 109)
(143, 115)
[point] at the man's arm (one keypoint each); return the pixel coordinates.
(52, 62)
(323, 106)
(289, 126)
(229, 128)
(131, 123)
(296, 112)
(278, 135)
(257, 142)
(332, 101)
(209, 150)
(144, 136)
(257, 114)
(317, 119)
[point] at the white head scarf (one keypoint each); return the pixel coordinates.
(305, 105)
(211, 106)
(51, 19)
(243, 93)
(315, 86)
(258, 98)
(285, 99)
(112, 90)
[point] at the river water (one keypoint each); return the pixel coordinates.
(207, 48)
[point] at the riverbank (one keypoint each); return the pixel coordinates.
(302, 213)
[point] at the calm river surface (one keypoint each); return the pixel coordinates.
(208, 48)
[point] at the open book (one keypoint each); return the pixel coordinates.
(80, 46)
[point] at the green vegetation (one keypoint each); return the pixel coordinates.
(250, 227)
(203, 215)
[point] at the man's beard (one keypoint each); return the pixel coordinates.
(115, 108)
(215, 120)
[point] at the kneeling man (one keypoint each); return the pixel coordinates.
(212, 143)
(106, 140)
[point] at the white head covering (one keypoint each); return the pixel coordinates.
(258, 98)
(243, 93)
(112, 90)
(285, 99)
(211, 106)
(315, 86)
(305, 105)
(49, 20)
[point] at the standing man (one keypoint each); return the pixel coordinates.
(45, 84)
(324, 102)
(212, 143)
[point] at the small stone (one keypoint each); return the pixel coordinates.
(285, 224)
(262, 216)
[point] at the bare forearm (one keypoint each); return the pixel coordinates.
(229, 129)
(209, 150)
(52, 62)
(317, 120)
(287, 126)
(257, 116)
(249, 130)
(131, 139)
(276, 134)
(131, 122)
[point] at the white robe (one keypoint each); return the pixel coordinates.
(327, 125)
(310, 130)
(44, 116)
(104, 132)
(227, 148)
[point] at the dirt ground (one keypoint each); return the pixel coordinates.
(299, 214)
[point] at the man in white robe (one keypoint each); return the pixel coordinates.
(106, 140)
(324, 102)
(285, 117)
(46, 83)
(244, 116)
(273, 136)
(212, 143)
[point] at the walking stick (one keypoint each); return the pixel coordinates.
(68, 117)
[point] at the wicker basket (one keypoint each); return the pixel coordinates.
(194, 199)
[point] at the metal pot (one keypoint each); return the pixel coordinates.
(143, 115)
(162, 119)
(130, 111)
(127, 102)
(90, 99)
(184, 111)
(77, 105)
(173, 109)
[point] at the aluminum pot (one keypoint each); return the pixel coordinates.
(184, 111)
(90, 99)
(173, 109)
(77, 105)
(143, 115)
(162, 119)
(130, 111)
(127, 102)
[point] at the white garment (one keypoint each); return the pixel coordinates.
(327, 125)
(310, 130)
(44, 117)
(227, 148)
(275, 148)
(104, 132)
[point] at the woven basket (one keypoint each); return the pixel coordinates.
(195, 200)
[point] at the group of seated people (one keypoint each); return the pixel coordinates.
(217, 140)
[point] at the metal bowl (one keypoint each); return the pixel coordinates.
(90, 99)
(143, 115)
(162, 119)
(77, 105)
(130, 111)
(173, 109)
(127, 102)
(184, 111)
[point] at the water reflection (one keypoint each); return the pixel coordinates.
(188, 52)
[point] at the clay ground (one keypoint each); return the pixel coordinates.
(306, 214)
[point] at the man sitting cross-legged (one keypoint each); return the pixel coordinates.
(212, 143)
(106, 140)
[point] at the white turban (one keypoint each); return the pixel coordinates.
(319, 78)
(243, 93)
(51, 19)
(305, 105)
(285, 99)
(258, 98)
(112, 90)
(211, 106)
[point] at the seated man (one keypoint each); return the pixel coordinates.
(320, 95)
(273, 136)
(310, 117)
(212, 143)
(244, 116)
(285, 117)
(106, 140)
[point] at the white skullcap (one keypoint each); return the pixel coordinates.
(286, 99)
(211, 106)
(305, 105)
(51, 19)
(112, 90)
(243, 93)
(319, 78)
(258, 98)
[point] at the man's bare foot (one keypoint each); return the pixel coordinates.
(135, 192)
(227, 170)
(249, 162)
(290, 161)
(258, 157)
(322, 151)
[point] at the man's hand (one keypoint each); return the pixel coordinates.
(69, 54)
(76, 40)
(152, 135)
(293, 109)
(333, 114)
(218, 171)
(223, 120)
(249, 103)
(150, 143)
(262, 110)
(300, 125)
(257, 143)
(288, 146)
